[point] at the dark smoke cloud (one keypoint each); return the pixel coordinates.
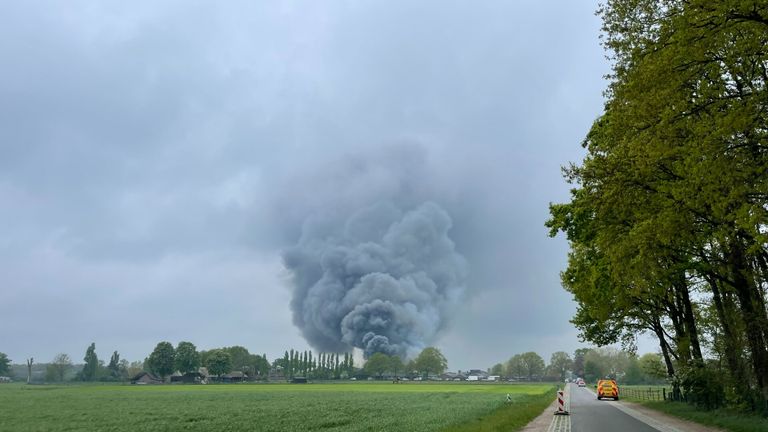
(382, 279)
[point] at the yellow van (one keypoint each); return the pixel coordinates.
(607, 389)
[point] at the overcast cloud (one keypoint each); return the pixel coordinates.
(157, 158)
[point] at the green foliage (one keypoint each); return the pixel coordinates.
(516, 367)
(162, 360)
(242, 360)
(533, 365)
(116, 369)
(578, 361)
(497, 369)
(667, 216)
(377, 364)
(633, 373)
(396, 365)
(430, 361)
(91, 367)
(58, 368)
(725, 419)
(186, 358)
(652, 366)
(593, 370)
(260, 365)
(560, 363)
(703, 387)
(5, 364)
(219, 362)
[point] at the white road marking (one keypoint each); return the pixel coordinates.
(562, 423)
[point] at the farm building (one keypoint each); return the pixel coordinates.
(188, 378)
(453, 376)
(146, 378)
(234, 376)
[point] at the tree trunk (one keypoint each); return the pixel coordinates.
(690, 322)
(753, 315)
(664, 347)
(725, 311)
(29, 369)
(682, 342)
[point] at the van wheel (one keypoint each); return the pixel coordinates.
(598, 398)
(616, 398)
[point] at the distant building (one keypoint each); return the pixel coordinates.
(453, 376)
(234, 376)
(477, 375)
(188, 378)
(146, 378)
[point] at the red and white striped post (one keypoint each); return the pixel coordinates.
(561, 404)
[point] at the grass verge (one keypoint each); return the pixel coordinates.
(722, 418)
(511, 416)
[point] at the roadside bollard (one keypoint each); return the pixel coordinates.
(560, 404)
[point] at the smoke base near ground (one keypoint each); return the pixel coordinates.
(382, 279)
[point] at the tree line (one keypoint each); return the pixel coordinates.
(429, 363)
(184, 358)
(318, 366)
(588, 363)
(668, 217)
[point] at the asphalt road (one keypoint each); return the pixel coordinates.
(591, 415)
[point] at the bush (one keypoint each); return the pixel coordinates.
(703, 387)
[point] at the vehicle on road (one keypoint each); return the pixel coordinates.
(580, 382)
(607, 388)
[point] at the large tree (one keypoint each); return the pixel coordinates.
(260, 365)
(560, 363)
(187, 358)
(59, 367)
(430, 361)
(117, 368)
(667, 217)
(4, 364)
(219, 362)
(533, 364)
(162, 360)
(516, 367)
(91, 367)
(377, 364)
(396, 365)
(497, 369)
(243, 361)
(578, 361)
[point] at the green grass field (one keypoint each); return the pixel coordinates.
(271, 407)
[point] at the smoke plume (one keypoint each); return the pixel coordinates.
(381, 278)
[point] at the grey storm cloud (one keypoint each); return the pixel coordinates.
(382, 280)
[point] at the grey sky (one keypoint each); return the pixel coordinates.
(157, 157)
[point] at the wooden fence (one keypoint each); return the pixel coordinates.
(650, 393)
